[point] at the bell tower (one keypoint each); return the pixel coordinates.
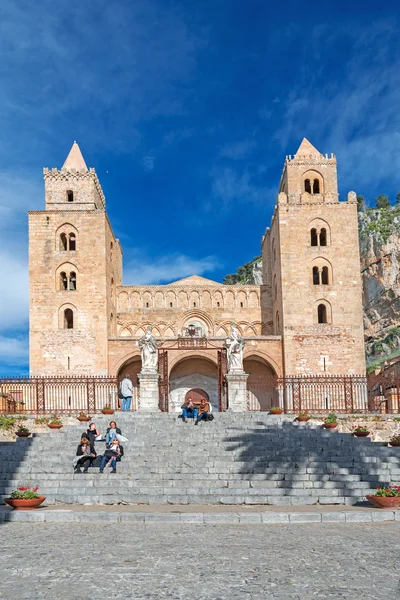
(74, 268)
(311, 255)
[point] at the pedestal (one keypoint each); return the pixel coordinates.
(237, 391)
(148, 399)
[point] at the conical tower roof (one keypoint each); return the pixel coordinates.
(75, 160)
(307, 149)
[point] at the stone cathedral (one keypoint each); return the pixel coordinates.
(305, 319)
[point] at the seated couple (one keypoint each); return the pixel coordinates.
(86, 453)
(190, 411)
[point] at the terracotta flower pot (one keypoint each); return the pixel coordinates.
(361, 433)
(108, 411)
(329, 425)
(83, 419)
(25, 504)
(276, 411)
(23, 433)
(384, 502)
(394, 444)
(54, 426)
(302, 419)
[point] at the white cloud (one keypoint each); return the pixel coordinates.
(14, 351)
(148, 162)
(238, 150)
(166, 269)
(230, 185)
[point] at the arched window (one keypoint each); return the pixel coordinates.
(70, 196)
(72, 281)
(325, 276)
(307, 186)
(316, 186)
(63, 281)
(218, 305)
(315, 275)
(322, 317)
(63, 243)
(314, 237)
(68, 318)
(322, 237)
(72, 242)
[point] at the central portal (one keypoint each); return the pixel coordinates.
(194, 376)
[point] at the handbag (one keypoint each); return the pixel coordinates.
(210, 417)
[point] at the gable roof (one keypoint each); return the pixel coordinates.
(194, 280)
(307, 149)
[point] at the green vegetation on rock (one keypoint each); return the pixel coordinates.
(244, 274)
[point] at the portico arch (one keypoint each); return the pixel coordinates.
(131, 367)
(191, 373)
(261, 383)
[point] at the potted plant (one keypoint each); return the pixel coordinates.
(303, 417)
(82, 417)
(276, 410)
(23, 431)
(385, 497)
(330, 421)
(395, 440)
(107, 410)
(55, 423)
(361, 431)
(25, 498)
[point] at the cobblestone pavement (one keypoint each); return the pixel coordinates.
(202, 562)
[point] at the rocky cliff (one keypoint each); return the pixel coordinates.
(379, 231)
(380, 267)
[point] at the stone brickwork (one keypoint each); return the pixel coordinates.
(313, 236)
(76, 269)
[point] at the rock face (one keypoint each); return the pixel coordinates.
(380, 267)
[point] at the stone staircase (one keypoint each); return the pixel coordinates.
(237, 459)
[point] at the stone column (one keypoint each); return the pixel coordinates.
(237, 391)
(148, 400)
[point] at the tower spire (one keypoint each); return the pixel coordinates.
(75, 160)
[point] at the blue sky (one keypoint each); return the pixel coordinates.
(186, 110)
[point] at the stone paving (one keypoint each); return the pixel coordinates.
(199, 562)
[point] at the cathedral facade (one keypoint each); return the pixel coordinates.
(304, 319)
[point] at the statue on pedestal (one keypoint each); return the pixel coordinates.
(234, 346)
(149, 350)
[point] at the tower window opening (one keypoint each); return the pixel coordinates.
(72, 281)
(314, 237)
(63, 281)
(63, 242)
(72, 242)
(170, 304)
(315, 276)
(194, 304)
(218, 304)
(316, 189)
(241, 305)
(325, 276)
(147, 305)
(322, 237)
(70, 196)
(68, 318)
(322, 318)
(307, 186)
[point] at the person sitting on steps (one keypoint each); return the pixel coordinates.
(91, 434)
(204, 411)
(111, 433)
(84, 456)
(113, 454)
(189, 411)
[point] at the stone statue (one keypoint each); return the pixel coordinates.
(234, 346)
(149, 350)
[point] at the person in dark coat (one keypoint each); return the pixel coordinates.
(91, 434)
(84, 456)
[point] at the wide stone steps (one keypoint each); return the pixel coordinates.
(237, 459)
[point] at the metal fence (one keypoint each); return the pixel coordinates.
(56, 395)
(313, 394)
